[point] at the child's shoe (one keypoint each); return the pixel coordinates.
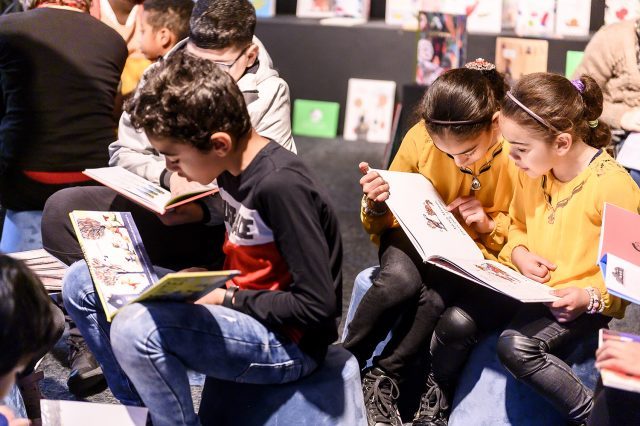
(434, 406)
(380, 396)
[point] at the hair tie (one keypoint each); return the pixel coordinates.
(593, 123)
(579, 85)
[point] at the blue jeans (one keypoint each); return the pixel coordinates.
(151, 346)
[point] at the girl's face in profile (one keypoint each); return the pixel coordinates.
(528, 151)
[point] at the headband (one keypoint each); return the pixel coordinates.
(533, 115)
(458, 122)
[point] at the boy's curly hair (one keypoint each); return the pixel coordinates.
(186, 98)
(218, 24)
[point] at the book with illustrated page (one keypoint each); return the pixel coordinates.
(483, 16)
(617, 379)
(315, 8)
(147, 194)
(265, 8)
(47, 267)
(621, 10)
(442, 241)
(403, 13)
(516, 57)
(535, 18)
(442, 44)
(573, 17)
(77, 413)
(120, 267)
(619, 253)
(342, 10)
(369, 110)
(509, 14)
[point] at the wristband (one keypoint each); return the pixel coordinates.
(229, 295)
(369, 210)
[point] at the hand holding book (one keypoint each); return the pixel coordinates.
(373, 185)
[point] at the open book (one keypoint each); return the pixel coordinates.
(616, 379)
(77, 413)
(121, 269)
(619, 253)
(48, 268)
(441, 240)
(141, 191)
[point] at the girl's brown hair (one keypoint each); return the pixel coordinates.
(566, 107)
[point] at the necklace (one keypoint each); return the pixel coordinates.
(475, 182)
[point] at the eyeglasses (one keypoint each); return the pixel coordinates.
(227, 67)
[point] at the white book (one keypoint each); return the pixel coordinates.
(403, 13)
(76, 413)
(621, 10)
(442, 241)
(629, 155)
(315, 8)
(484, 16)
(535, 18)
(573, 17)
(369, 111)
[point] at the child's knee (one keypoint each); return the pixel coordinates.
(455, 327)
(519, 354)
(130, 328)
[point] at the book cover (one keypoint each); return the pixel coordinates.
(441, 240)
(442, 44)
(509, 14)
(48, 268)
(629, 154)
(369, 110)
(516, 57)
(120, 267)
(403, 13)
(315, 118)
(573, 59)
(264, 8)
(77, 413)
(573, 17)
(148, 194)
(616, 379)
(356, 9)
(484, 16)
(621, 10)
(535, 18)
(315, 8)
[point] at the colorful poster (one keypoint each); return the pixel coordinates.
(621, 10)
(535, 18)
(573, 17)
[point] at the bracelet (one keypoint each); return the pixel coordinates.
(229, 295)
(369, 210)
(596, 304)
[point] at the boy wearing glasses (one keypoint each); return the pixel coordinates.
(221, 31)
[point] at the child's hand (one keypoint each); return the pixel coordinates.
(573, 303)
(186, 213)
(531, 265)
(6, 411)
(473, 214)
(214, 297)
(374, 187)
(620, 356)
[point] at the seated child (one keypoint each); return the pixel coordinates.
(458, 147)
(273, 323)
(566, 177)
(27, 326)
(164, 23)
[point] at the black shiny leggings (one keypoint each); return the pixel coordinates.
(533, 347)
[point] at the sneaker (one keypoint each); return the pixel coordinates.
(30, 391)
(380, 396)
(86, 376)
(434, 406)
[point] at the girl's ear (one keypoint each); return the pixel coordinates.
(562, 144)
(495, 121)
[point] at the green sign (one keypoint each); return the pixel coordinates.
(315, 118)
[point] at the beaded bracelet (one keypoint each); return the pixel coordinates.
(596, 305)
(371, 211)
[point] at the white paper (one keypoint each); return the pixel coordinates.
(76, 413)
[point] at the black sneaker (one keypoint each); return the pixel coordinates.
(434, 406)
(380, 396)
(86, 376)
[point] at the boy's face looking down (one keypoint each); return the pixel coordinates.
(233, 59)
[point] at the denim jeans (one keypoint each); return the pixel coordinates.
(150, 346)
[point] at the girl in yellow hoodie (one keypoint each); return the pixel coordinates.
(565, 179)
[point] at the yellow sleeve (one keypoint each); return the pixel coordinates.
(517, 234)
(495, 240)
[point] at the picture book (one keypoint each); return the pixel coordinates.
(77, 413)
(442, 241)
(484, 16)
(120, 267)
(369, 111)
(509, 14)
(315, 8)
(442, 44)
(535, 18)
(516, 57)
(573, 59)
(573, 17)
(617, 379)
(315, 118)
(264, 8)
(355, 9)
(147, 194)
(619, 252)
(403, 13)
(621, 10)
(47, 267)
(629, 154)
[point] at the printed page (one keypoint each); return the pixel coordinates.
(113, 249)
(76, 413)
(423, 215)
(615, 379)
(48, 268)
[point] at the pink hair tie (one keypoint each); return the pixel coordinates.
(579, 85)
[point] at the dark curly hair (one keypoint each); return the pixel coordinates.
(26, 315)
(556, 100)
(186, 98)
(218, 24)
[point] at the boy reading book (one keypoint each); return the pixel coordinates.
(274, 322)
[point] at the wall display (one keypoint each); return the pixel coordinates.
(265, 8)
(535, 18)
(483, 16)
(442, 44)
(403, 13)
(516, 57)
(369, 112)
(509, 14)
(358, 9)
(315, 118)
(621, 10)
(573, 17)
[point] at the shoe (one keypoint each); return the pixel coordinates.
(30, 391)
(86, 376)
(380, 396)
(434, 406)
